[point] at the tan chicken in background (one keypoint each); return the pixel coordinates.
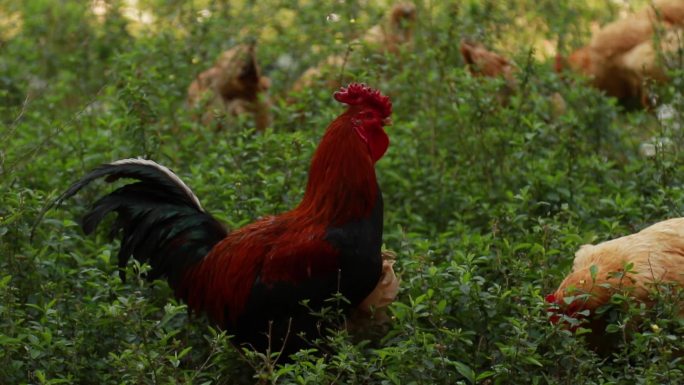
(484, 63)
(655, 256)
(232, 87)
(370, 317)
(622, 55)
(395, 32)
(649, 59)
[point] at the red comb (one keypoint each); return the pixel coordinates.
(557, 309)
(360, 94)
(553, 317)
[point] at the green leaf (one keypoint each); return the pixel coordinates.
(593, 270)
(484, 375)
(465, 371)
(533, 361)
(612, 328)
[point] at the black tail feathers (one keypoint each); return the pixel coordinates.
(159, 219)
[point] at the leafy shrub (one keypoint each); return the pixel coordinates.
(485, 204)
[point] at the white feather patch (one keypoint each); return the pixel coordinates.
(166, 171)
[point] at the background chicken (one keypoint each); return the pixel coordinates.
(370, 318)
(622, 55)
(634, 263)
(394, 32)
(262, 272)
(232, 87)
(649, 61)
(484, 63)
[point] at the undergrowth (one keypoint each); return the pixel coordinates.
(485, 204)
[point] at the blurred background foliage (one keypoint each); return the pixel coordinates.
(485, 204)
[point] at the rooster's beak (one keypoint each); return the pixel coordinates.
(387, 122)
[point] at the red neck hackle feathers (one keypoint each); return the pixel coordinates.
(342, 185)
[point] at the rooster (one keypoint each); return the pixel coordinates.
(622, 55)
(253, 281)
(395, 32)
(635, 264)
(232, 87)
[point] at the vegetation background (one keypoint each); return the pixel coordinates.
(485, 204)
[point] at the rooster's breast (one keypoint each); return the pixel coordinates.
(359, 244)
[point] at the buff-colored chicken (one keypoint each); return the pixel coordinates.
(370, 317)
(635, 264)
(395, 32)
(484, 63)
(622, 55)
(650, 59)
(232, 87)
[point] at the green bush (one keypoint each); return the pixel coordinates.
(485, 203)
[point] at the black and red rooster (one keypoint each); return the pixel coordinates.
(254, 279)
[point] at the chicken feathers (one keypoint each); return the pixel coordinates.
(232, 86)
(635, 264)
(264, 282)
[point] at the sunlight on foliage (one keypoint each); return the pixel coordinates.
(485, 202)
